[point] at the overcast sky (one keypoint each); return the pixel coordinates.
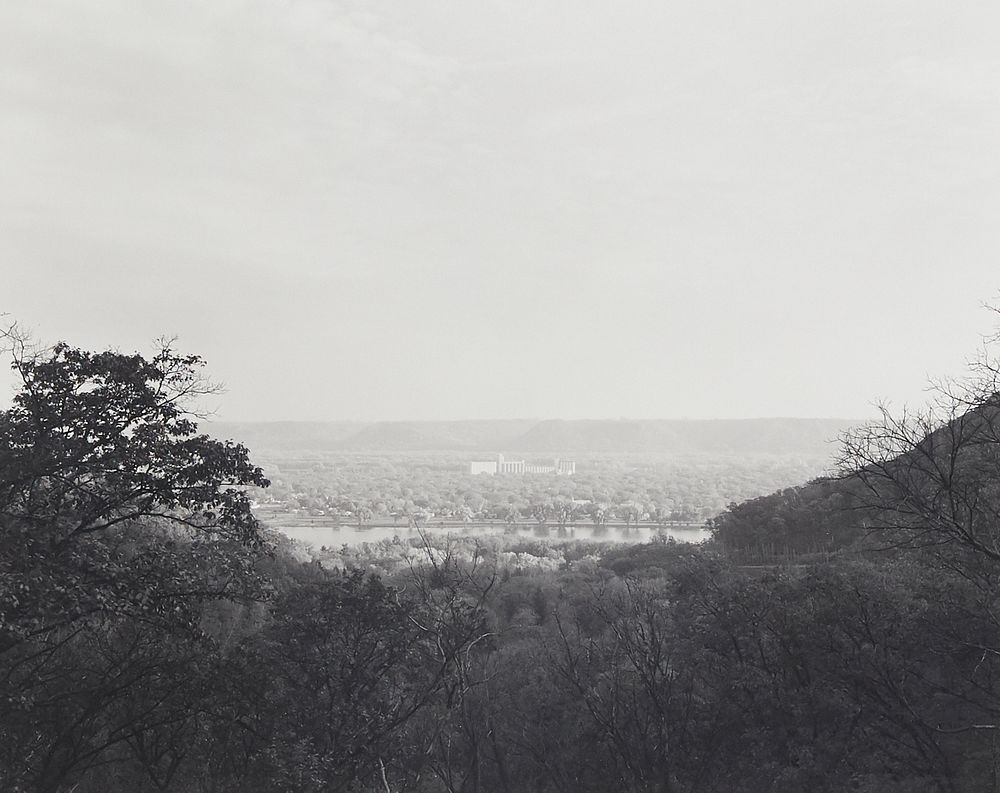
(479, 209)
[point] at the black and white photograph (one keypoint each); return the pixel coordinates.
(493, 396)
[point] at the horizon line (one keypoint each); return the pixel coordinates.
(534, 419)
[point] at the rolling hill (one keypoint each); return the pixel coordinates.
(717, 436)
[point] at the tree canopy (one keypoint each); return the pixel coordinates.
(114, 514)
(154, 637)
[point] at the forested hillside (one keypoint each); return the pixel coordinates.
(922, 481)
(155, 637)
(822, 516)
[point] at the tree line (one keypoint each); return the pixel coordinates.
(418, 488)
(154, 637)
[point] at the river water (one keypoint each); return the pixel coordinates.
(350, 535)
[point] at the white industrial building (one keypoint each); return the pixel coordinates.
(503, 466)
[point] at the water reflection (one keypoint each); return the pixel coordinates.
(352, 535)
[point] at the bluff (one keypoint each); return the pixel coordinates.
(810, 437)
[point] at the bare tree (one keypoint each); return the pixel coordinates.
(931, 478)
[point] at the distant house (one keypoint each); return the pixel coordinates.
(504, 466)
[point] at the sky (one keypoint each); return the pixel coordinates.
(478, 209)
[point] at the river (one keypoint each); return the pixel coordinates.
(335, 536)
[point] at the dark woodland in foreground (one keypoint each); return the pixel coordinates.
(839, 636)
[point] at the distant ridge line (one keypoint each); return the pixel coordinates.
(811, 436)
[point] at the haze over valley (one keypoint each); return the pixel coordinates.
(499, 396)
(811, 437)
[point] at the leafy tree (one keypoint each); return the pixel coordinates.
(565, 512)
(114, 514)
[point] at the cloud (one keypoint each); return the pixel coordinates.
(391, 180)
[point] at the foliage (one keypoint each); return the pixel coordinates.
(420, 488)
(823, 516)
(148, 643)
(117, 523)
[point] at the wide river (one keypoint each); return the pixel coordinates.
(352, 535)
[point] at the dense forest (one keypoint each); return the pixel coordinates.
(839, 636)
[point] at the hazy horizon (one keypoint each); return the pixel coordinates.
(530, 418)
(449, 210)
